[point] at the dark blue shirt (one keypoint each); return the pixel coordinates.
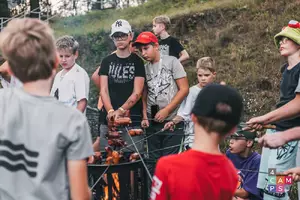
(289, 86)
(248, 169)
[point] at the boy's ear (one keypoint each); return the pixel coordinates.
(194, 118)
(76, 54)
(250, 143)
(156, 45)
(7, 68)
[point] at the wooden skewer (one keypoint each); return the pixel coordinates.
(267, 126)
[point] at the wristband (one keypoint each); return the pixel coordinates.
(122, 109)
(111, 110)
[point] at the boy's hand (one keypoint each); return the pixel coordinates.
(110, 116)
(273, 140)
(294, 172)
(118, 113)
(257, 122)
(169, 125)
(161, 115)
(145, 123)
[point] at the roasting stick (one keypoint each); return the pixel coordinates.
(139, 154)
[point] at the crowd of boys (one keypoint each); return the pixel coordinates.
(44, 141)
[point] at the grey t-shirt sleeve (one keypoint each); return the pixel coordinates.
(187, 105)
(80, 146)
(178, 70)
(297, 90)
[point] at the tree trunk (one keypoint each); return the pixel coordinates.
(4, 11)
(34, 8)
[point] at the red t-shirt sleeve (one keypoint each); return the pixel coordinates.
(159, 190)
(235, 179)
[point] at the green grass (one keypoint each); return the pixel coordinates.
(95, 21)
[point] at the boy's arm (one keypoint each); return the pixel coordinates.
(77, 171)
(105, 93)
(183, 55)
(96, 78)
(179, 49)
(183, 90)
(241, 193)
(280, 138)
(82, 85)
(136, 93)
(78, 149)
(144, 100)
(81, 105)
(289, 110)
(145, 122)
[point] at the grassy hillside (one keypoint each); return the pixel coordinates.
(237, 34)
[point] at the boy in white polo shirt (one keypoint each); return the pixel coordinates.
(71, 84)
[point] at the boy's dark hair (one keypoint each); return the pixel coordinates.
(214, 125)
(139, 45)
(28, 46)
(218, 108)
(67, 42)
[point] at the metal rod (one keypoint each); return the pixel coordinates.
(100, 177)
(139, 155)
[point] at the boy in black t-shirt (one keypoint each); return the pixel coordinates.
(168, 45)
(122, 77)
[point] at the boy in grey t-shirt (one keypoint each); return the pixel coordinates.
(43, 144)
(167, 86)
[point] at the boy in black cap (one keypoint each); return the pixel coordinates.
(208, 174)
(246, 162)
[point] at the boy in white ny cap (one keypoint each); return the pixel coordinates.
(122, 77)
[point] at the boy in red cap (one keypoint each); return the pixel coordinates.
(167, 86)
(203, 172)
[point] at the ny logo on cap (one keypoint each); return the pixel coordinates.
(118, 23)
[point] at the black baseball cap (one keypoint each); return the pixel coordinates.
(219, 102)
(244, 134)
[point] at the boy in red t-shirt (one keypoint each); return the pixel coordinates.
(203, 172)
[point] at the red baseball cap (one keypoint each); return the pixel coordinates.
(145, 38)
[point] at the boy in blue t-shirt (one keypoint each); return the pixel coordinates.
(246, 162)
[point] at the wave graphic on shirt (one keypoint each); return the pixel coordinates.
(16, 157)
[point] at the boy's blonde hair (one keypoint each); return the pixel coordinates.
(163, 19)
(206, 63)
(67, 42)
(28, 46)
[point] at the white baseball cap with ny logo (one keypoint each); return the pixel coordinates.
(120, 25)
